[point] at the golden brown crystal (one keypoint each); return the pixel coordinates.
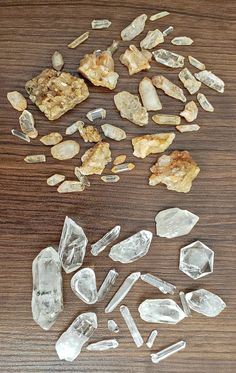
(52, 138)
(90, 134)
(135, 60)
(170, 89)
(152, 144)
(119, 159)
(166, 119)
(95, 159)
(130, 108)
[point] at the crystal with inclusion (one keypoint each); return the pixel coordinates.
(168, 58)
(109, 237)
(188, 128)
(166, 119)
(112, 326)
(110, 178)
(163, 286)
(72, 245)
(211, 80)
(196, 63)
(70, 186)
(104, 345)
(175, 222)
(99, 113)
(161, 311)
(17, 100)
(47, 298)
(152, 39)
(100, 23)
(170, 89)
(134, 28)
(20, 135)
(108, 282)
(132, 248)
(35, 158)
(205, 104)
(113, 132)
(26, 121)
(189, 81)
(70, 343)
(125, 312)
(151, 338)
(196, 260)
(55, 179)
(205, 302)
(123, 167)
(182, 40)
(130, 108)
(168, 351)
(83, 284)
(65, 150)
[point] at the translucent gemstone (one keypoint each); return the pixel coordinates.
(20, 135)
(99, 113)
(196, 63)
(52, 138)
(74, 127)
(55, 179)
(57, 61)
(188, 128)
(26, 121)
(152, 39)
(182, 40)
(170, 89)
(119, 159)
(100, 23)
(189, 81)
(190, 111)
(108, 282)
(163, 286)
(112, 326)
(95, 159)
(113, 132)
(110, 178)
(149, 96)
(113, 47)
(166, 352)
(65, 150)
(134, 28)
(35, 158)
(70, 343)
(205, 104)
(166, 119)
(123, 167)
(78, 40)
(164, 311)
(151, 338)
(72, 245)
(159, 15)
(82, 178)
(211, 80)
(47, 297)
(196, 260)
(132, 248)
(131, 325)
(205, 302)
(104, 345)
(168, 31)
(168, 58)
(108, 238)
(83, 284)
(184, 303)
(70, 186)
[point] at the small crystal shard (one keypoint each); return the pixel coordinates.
(20, 135)
(65, 150)
(113, 132)
(205, 302)
(113, 47)
(188, 127)
(211, 80)
(108, 282)
(83, 284)
(90, 134)
(196, 260)
(163, 286)
(149, 95)
(108, 238)
(112, 326)
(123, 168)
(122, 291)
(100, 23)
(72, 245)
(152, 39)
(168, 351)
(168, 31)
(164, 311)
(57, 61)
(175, 222)
(166, 119)
(78, 40)
(104, 345)
(134, 60)
(205, 104)
(47, 298)
(55, 179)
(190, 111)
(151, 338)
(82, 178)
(52, 138)
(17, 100)
(168, 58)
(151, 144)
(70, 186)
(196, 63)
(184, 303)
(110, 178)
(125, 313)
(95, 159)
(159, 15)
(26, 121)
(130, 108)
(189, 81)
(170, 89)
(182, 40)
(74, 127)
(70, 343)
(95, 114)
(119, 159)
(36, 158)
(135, 28)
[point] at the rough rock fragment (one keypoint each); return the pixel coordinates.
(189, 81)
(182, 40)
(196, 63)
(159, 15)
(151, 338)
(35, 158)
(151, 144)
(170, 89)
(163, 286)
(125, 313)
(135, 60)
(107, 283)
(168, 351)
(152, 39)
(104, 345)
(190, 111)
(57, 61)
(52, 138)
(83, 284)
(95, 159)
(205, 302)
(211, 80)
(161, 311)
(108, 238)
(135, 28)
(130, 108)
(166, 119)
(55, 179)
(149, 95)
(90, 134)
(168, 31)
(70, 186)
(78, 40)
(26, 121)
(17, 100)
(205, 104)
(113, 132)
(65, 150)
(82, 178)
(94, 114)
(119, 159)
(188, 127)
(74, 127)
(123, 167)
(168, 58)
(100, 23)
(20, 135)
(112, 326)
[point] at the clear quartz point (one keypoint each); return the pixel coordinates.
(20, 135)
(55, 179)
(205, 104)
(82, 178)
(168, 31)
(74, 127)
(184, 303)
(151, 338)
(83, 284)
(26, 121)
(159, 15)
(108, 282)
(182, 40)
(113, 47)
(205, 302)
(72, 245)
(122, 291)
(112, 326)
(123, 167)
(211, 80)
(134, 28)
(188, 128)
(166, 352)
(125, 312)
(163, 286)
(110, 178)
(168, 58)
(108, 238)
(99, 113)
(164, 311)
(47, 297)
(196, 63)
(70, 343)
(104, 345)
(189, 81)
(100, 23)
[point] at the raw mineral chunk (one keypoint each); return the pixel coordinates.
(184, 303)
(113, 132)
(78, 40)
(131, 325)
(26, 121)
(159, 15)
(190, 111)
(83, 284)
(168, 31)
(130, 108)
(36, 158)
(211, 80)
(176, 171)
(161, 311)
(56, 92)
(182, 40)
(57, 61)
(119, 159)
(70, 186)
(149, 95)
(194, 62)
(104, 345)
(90, 134)
(152, 39)
(168, 351)
(100, 23)
(74, 127)
(65, 150)
(20, 135)
(166, 119)
(94, 114)
(52, 138)
(151, 144)
(135, 28)
(95, 159)
(189, 82)
(134, 60)
(188, 127)
(168, 58)
(205, 302)
(17, 100)
(168, 87)
(205, 104)
(55, 179)
(123, 167)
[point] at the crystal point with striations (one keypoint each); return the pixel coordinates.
(79, 40)
(164, 311)
(100, 23)
(20, 135)
(211, 80)
(108, 282)
(168, 351)
(108, 238)
(168, 58)
(113, 132)
(106, 344)
(205, 302)
(205, 104)
(159, 15)
(196, 63)
(134, 28)
(83, 284)
(26, 121)
(125, 312)
(163, 286)
(123, 168)
(152, 39)
(170, 89)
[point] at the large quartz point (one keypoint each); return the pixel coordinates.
(196, 260)
(83, 284)
(132, 248)
(211, 80)
(205, 302)
(168, 58)
(161, 311)
(70, 343)
(72, 245)
(175, 222)
(134, 28)
(47, 298)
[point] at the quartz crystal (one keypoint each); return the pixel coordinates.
(135, 28)
(26, 121)
(189, 81)
(205, 302)
(113, 132)
(108, 238)
(132, 248)
(17, 100)
(55, 179)
(152, 39)
(90, 134)
(168, 351)
(190, 111)
(79, 40)
(65, 150)
(130, 108)
(52, 138)
(149, 95)
(159, 15)
(72, 245)
(70, 186)
(175, 222)
(95, 159)
(196, 260)
(83, 284)
(104, 345)
(188, 127)
(119, 159)
(113, 47)
(152, 144)
(166, 119)
(20, 135)
(125, 313)
(112, 326)
(122, 291)
(184, 303)
(36, 158)
(196, 63)
(211, 80)
(123, 167)
(110, 178)
(163, 286)
(100, 23)
(205, 104)
(108, 282)
(168, 58)
(82, 178)
(134, 60)
(182, 40)
(57, 61)
(47, 298)
(70, 343)
(164, 311)
(74, 127)
(168, 31)
(170, 89)
(95, 114)
(151, 339)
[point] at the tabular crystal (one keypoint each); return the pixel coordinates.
(164, 311)
(20, 135)
(125, 312)
(100, 23)
(184, 303)
(108, 282)
(163, 286)
(168, 58)
(166, 352)
(107, 344)
(83, 284)
(205, 302)
(151, 338)
(108, 238)
(182, 40)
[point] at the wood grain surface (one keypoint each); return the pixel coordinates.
(32, 213)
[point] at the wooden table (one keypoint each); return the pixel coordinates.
(32, 213)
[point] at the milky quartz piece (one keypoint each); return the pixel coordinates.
(135, 28)
(170, 89)
(159, 15)
(123, 167)
(55, 179)
(54, 93)
(149, 95)
(196, 260)
(163, 286)
(119, 159)
(79, 40)
(151, 338)
(70, 186)
(182, 40)
(164, 311)
(188, 128)
(26, 121)
(74, 127)
(130, 108)
(166, 119)
(99, 69)
(72, 245)
(190, 111)
(176, 171)
(168, 351)
(184, 303)
(107, 283)
(95, 159)
(152, 39)
(125, 313)
(35, 158)
(135, 60)
(108, 238)
(189, 81)
(83, 284)
(65, 150)
(175, 222)
(57, 61)
(100, 23)
(98, 113)
(20, 135)
(17, 100)
(52, 138)
(82, 178)
(112, 326)
(106, 344)
(205, 104)
(196, 63)
(211, 80)
(113, 132)
(151, 144)
(90, 134)
(47, 298)
(205, 302)
(70, 343)
(168, 58)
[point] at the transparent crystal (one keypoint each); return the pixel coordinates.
(132, 248)
(70, 343)
(168, 31)
(36, 158)
(163, 286)
(159, 15)
(211, 80)
(182, 40)
(72, 245)
(134, 28)
(113, 132)
(100, 23)
(196, 63)
(82, 178)
(57, 61)
(166, 352)
(184, 303)
(196, 260)
(168, 58)
(108, 282)
(189, 81)
(205, 104)
(99, 113)
(55, 179)
(74, 127)
(125, 312)
(152, 39)
(47, 297)
(20, 135)
(151, 338)
(110, 178)
(149, 96)
(79, 40)
(205, 302)
(70, 186)
(26, 121)
(83, 284)
(164, 311)
(65, 150)
(170, 89)
(123, 167)
(104, 345)
(112, 326)
(188, 127)
(108, 238)
(166, 119)
(52, 138)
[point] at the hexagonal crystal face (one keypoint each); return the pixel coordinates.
(196, 260)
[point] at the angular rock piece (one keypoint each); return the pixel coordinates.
(188, 128)
(108, 238)
(90, 134)
(196, 260)
(211, 80)
(70, 186)
(82, 178)
(26, 121)
(52, 138)
(149, 95)
(168, 351)
(182, 40)
(74, 127)
(166, 119)
(170, 89)
(164, 311)
(123, 168)
(65, 150)
(196, 63)
(112, 326)
(205, 302)
(184, 303)
(110, 178)
(79, 40)
(119, 159)
(125, 313)
(55, 179)
(47, 298)
(113, 132)
(130, 108)
(175, 222)
(159, 15)
(70, 343)
(95, 159)
(72, 245)
(17, 100)
(104, 345)
(57, 61)
(83, 284)
(152, 39)
(189, 82)
(35, 158)
(55, 93)
(205, 104)
(134, 60)
(151, 144)
(163, 286)
(168, 58)
(168, 31)
(108, 282)
(190, 111)
(151, 338)
(20, 135)
(99, 113)
(100, 23)
(133, 248)
(135, 28)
